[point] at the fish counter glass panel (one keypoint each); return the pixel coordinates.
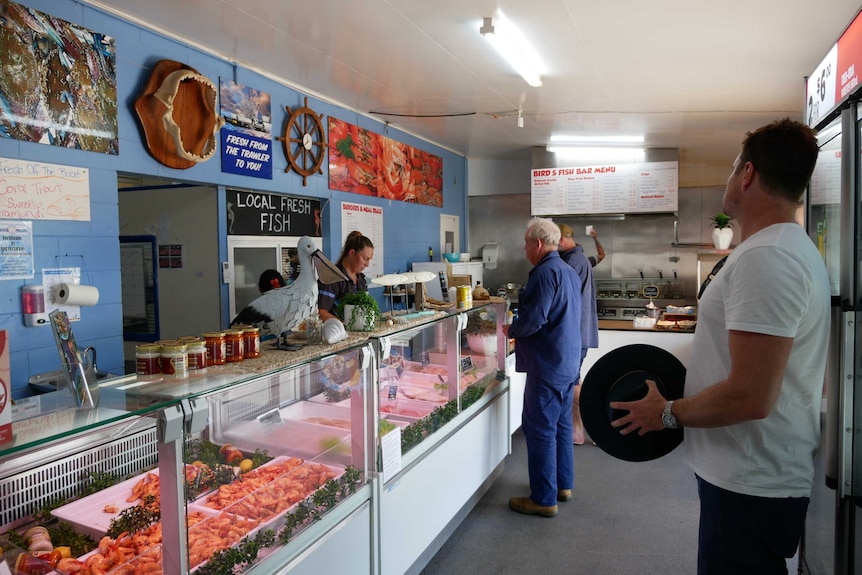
(428, 375)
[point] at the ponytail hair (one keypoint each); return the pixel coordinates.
(355, 241)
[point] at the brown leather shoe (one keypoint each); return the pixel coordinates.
(526, 506)
(564, 495)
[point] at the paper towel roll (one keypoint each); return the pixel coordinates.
(72, 294)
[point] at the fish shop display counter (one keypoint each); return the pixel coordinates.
(268, 465)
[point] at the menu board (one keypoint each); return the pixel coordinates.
(605, 188)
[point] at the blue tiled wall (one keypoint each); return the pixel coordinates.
(94, 247)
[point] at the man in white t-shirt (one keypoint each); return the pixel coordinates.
(753, 386)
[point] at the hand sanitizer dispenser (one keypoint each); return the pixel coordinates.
(490, 255)
(33, 304)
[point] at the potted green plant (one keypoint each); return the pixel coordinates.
(358, 311)
(481, 332)
(722, 234)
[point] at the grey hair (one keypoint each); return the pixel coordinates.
(544, 229)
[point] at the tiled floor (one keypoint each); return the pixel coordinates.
(625, 518)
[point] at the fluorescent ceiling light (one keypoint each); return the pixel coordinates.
(514, 48)
(598, 154)
(564, 139)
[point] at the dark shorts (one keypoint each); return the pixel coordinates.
(747, 535)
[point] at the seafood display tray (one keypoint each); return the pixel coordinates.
(414, 393)
(330, 445)
(406, 409)
(87, 515)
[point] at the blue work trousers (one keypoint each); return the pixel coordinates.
(547, 426)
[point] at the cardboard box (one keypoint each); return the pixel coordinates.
(5, 390)
(460, 280)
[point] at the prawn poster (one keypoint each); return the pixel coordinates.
(363, 162)
(58, 82)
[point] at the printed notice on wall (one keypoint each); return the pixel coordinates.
(16, 250)
(39, 191)
(369, 221)
(826, 179)
(605, 188)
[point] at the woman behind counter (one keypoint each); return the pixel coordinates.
(355, 257)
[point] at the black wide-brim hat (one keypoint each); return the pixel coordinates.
(620, 375)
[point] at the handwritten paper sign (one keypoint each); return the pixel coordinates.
(39, 191)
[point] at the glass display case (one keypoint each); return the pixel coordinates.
(250, 461)
(269, 464)
(429, 374)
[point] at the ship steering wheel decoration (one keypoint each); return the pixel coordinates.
(304, 141)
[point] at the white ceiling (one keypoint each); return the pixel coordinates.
(688, 74)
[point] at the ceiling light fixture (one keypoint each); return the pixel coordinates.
(520, 118)
(599, 153)
(514, 48)
(600, 140)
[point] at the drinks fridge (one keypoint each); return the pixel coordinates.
(833, 534)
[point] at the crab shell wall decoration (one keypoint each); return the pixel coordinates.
(178, 112)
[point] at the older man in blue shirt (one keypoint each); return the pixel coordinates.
(546, 331)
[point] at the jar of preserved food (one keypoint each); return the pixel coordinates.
(235, 345)
(148, 361)
(251, 341)
(175, 361)
(197, 353)
(27, 564)
(215, 344)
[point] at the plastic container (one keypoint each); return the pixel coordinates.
(216, 347)
(234, 345)
(148, 361)
(175, 361)
(251, 342)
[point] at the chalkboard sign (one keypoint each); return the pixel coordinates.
(262, 214)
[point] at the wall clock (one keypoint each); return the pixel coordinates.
(304, 141)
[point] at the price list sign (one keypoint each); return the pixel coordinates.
(605, 189)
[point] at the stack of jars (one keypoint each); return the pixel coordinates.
(190, 355)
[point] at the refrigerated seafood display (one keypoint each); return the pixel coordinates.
(247, 461)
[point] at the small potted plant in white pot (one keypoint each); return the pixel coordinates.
(481, 332)
(358, 311)
(722, 234)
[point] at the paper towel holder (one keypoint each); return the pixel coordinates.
(490, 255)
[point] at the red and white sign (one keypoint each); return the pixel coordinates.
(5, 390)
(837, 76)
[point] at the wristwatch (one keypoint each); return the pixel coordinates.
(668, 418)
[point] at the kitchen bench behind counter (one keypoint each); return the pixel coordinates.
(617, 333)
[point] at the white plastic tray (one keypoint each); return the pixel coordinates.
(305, 440)
(88, 515)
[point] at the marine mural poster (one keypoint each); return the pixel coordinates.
(246, 138)
(58, 82)
(363, 162)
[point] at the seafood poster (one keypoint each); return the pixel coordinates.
(246, 138)
(363, 162)
(58, 82)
